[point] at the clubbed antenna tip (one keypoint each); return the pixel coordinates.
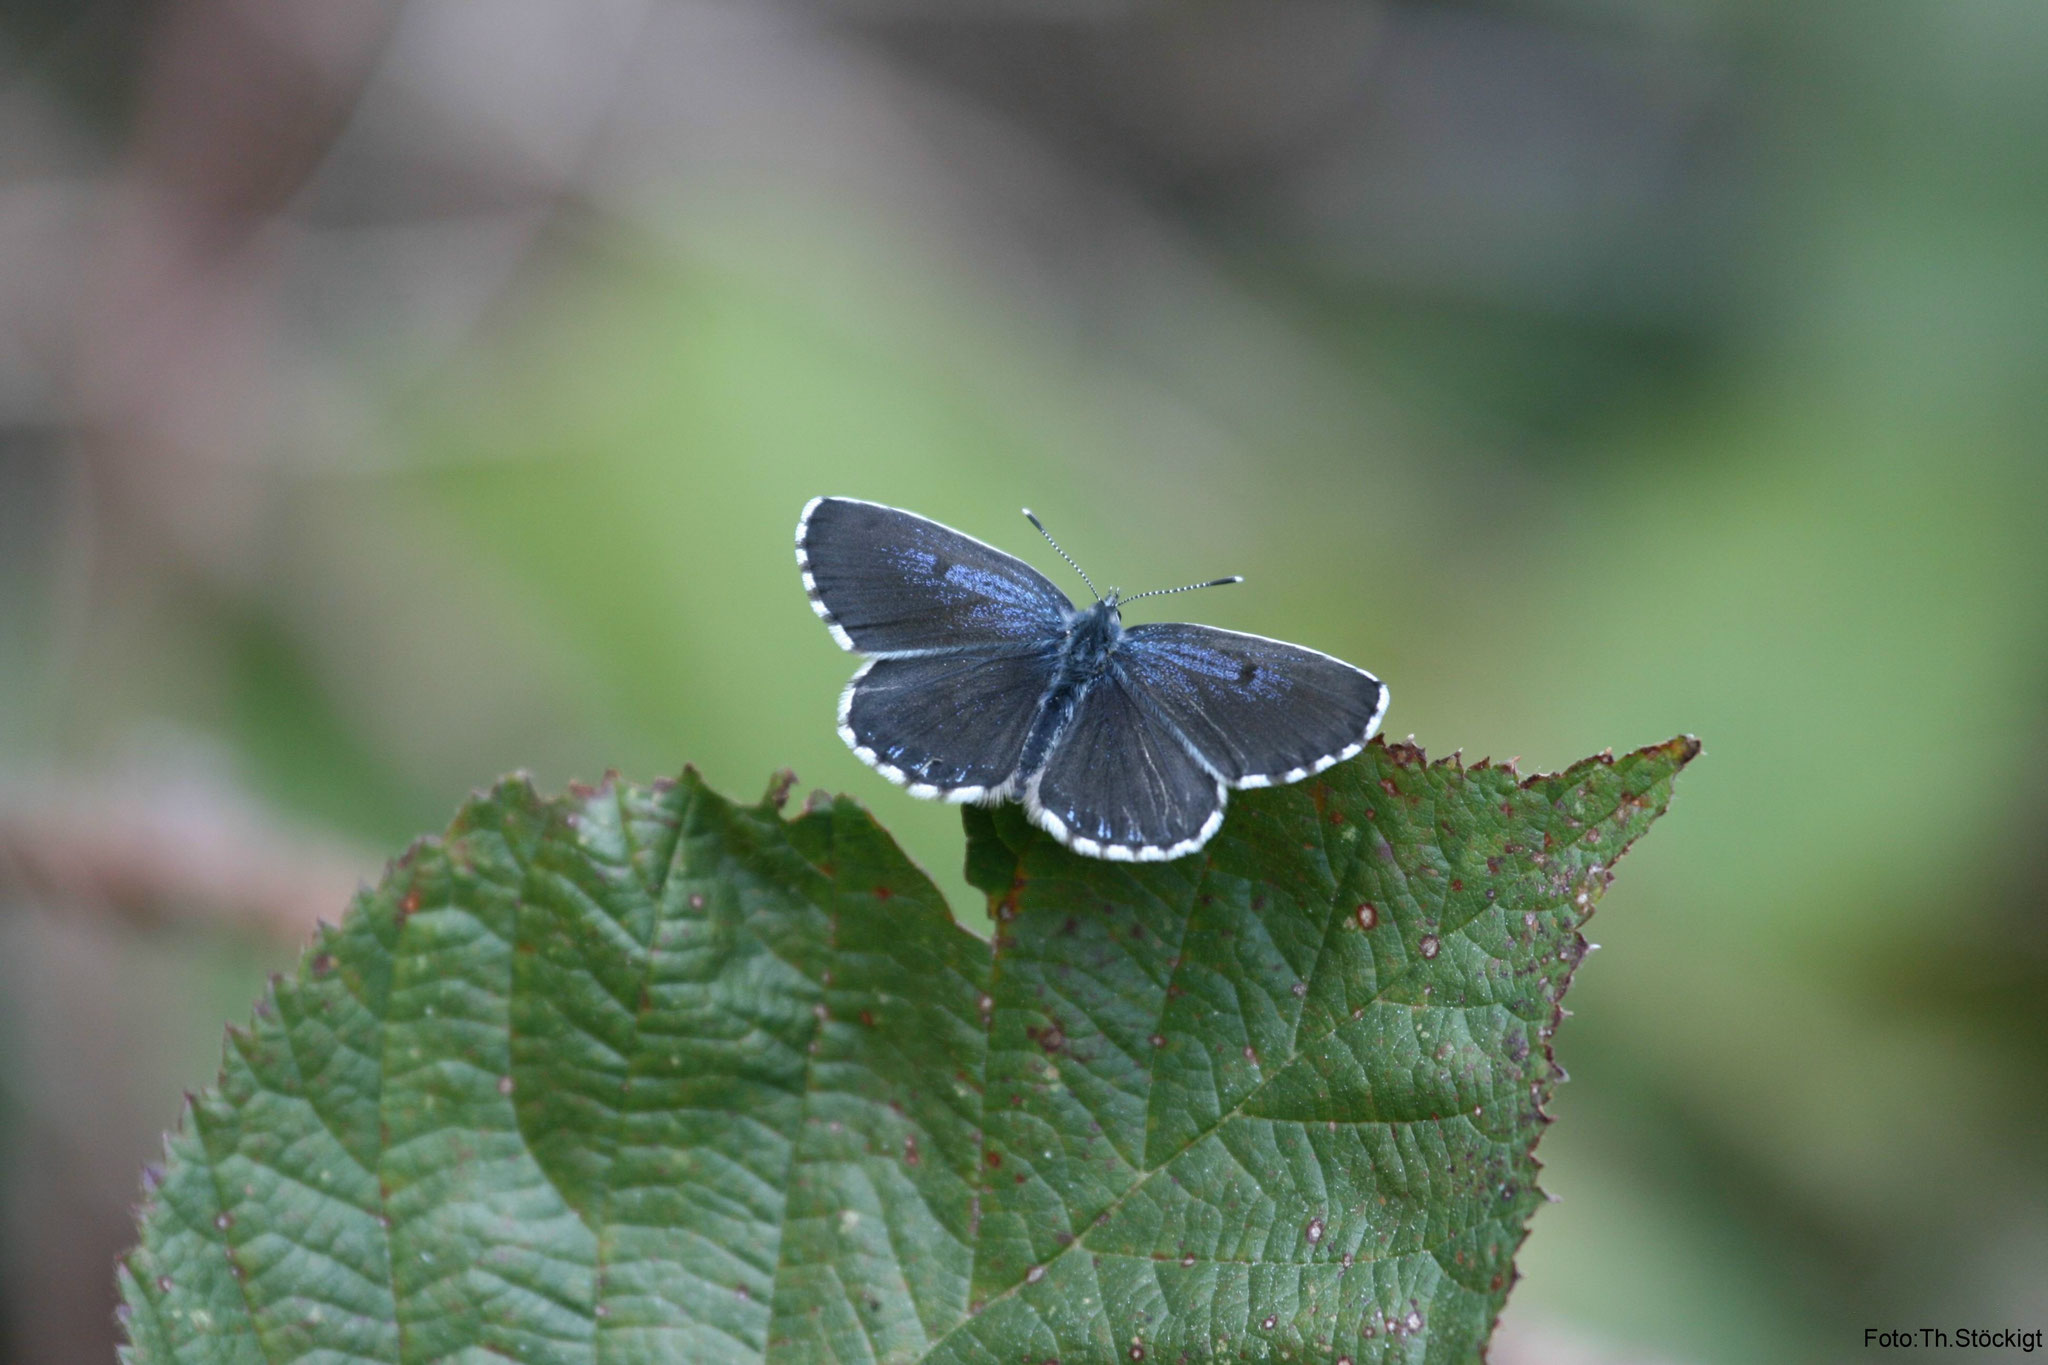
(1212, 583)
(1032, 517)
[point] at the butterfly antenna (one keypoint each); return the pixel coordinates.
(1212, 583)
(1063, 554)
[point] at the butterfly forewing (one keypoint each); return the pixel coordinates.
(1120, 784)
(1259, 711)
(946, 725)
(890, 582)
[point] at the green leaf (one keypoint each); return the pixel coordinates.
(642, 1075)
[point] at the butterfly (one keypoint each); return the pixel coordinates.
(984, 683)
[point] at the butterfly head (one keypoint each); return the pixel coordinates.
(1093, 632)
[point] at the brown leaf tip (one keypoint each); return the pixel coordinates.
(1407, 754)
(777, 795)
(1679, 750)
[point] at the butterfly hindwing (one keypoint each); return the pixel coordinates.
(946, 725)
(886, 581)
(1120, 784)
(1260, 712)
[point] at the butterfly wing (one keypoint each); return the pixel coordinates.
(1120, 784)
(949, 726)
(1259, 712)
(886, 581)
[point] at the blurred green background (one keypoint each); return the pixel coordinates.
(396, 394)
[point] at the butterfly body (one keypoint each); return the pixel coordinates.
(985, 683)
(1084, 659)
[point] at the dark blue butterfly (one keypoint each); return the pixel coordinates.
(984, 683)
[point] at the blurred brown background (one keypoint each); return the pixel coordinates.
(392, 395)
